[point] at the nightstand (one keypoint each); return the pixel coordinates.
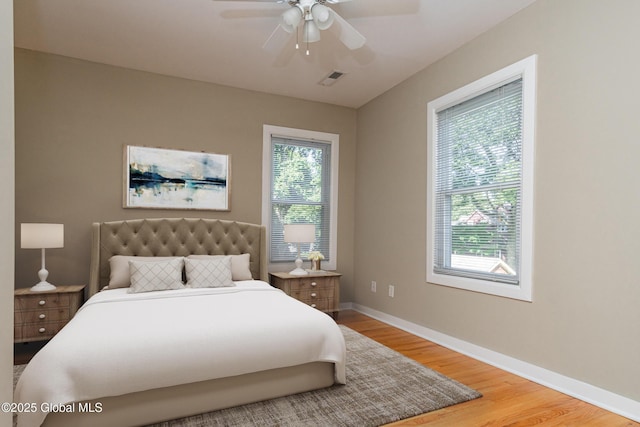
(40, 315)
(319, 290)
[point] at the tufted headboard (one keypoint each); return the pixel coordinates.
(174, 237)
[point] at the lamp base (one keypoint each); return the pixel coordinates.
(42, 286)
(298, 272)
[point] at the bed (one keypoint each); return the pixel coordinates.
(136, 356)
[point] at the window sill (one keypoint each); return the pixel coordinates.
(520, 292)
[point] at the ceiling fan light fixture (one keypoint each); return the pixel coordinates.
(290, 19)
(310, 32)
(322, 16)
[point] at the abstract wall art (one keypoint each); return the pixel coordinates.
(160, 178)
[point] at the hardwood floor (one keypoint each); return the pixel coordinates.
(508, 400)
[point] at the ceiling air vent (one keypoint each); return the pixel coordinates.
(331, 78)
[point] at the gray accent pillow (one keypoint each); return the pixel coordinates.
(209, 273)
(148, 276)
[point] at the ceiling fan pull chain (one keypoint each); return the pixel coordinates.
(306, 31)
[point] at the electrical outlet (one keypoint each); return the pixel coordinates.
(392, 290)
(373, 286)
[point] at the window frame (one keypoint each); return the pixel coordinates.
(525, 69)
(270, 131)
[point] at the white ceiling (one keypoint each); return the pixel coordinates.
(221, 41)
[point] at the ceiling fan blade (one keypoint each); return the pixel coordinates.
(351, 38)
(337, 1)
(277, 40)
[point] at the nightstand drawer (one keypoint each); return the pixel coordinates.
(35, 332)
(312, 294)
(323, 304)
(42, 316)
(30, 302)
(311, 283)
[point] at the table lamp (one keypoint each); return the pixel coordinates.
(42, 236)
(299, 233)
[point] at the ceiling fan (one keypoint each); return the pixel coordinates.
(308, 17)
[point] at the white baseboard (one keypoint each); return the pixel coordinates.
(596, 396)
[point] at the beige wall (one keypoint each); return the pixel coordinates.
(584, 321)
(74, 117)
(7, 206)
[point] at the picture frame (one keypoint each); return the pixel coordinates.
(162, 178)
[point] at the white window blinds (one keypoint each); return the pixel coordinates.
(478, 186)
(300, 194)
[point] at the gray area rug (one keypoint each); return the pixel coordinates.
(382, 386)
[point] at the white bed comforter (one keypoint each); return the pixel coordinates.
(121, 343)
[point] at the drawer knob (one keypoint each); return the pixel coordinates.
(313, 295)
(42, 302)
(313, 305)
(42, 316)
(314, 284)
(42, 330)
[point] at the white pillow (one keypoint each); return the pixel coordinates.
(209, 273)
(147, 276)
(120, 276)
(239, 265)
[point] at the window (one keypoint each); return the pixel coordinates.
(480, 197)
(300, 186)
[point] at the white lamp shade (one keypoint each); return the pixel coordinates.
(311, 32)
(322, 16)
(290, 19)
(299, 233)
(39, 236)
